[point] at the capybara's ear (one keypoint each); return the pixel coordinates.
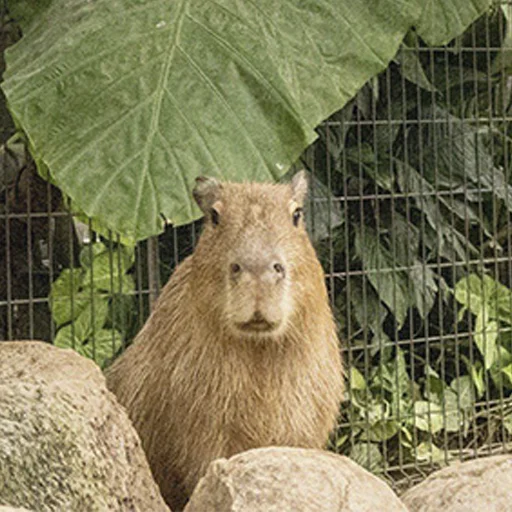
(299, 187)
(206, 192)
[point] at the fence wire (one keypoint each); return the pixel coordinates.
(409, 210)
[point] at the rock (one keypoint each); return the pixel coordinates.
(482, 484)
(290, 479)
(65, 443)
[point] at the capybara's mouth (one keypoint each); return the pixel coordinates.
(257, 326)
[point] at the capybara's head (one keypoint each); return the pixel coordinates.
(250, 252)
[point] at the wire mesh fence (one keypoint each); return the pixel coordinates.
(421, 167)
(409, 210)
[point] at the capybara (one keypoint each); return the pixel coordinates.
(241, 349)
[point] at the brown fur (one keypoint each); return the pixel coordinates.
(196, 388)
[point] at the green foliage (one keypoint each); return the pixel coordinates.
(423, 304)
(367, 455)
(127, 102)
(27, 11)
(491, 304)
(417, 172)
(88, 303)
(408, 415)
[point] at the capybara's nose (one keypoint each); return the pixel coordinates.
(258, 317)
(272, 268)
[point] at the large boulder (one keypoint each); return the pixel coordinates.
(65, 443)
(285, 479)
(482, 484)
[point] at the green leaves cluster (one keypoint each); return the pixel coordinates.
(416, 416)
(423, 180)
(388, 407)
(131, 100)
(490, 303)
(88, 303)
(419, 159)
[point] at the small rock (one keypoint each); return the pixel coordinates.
(290, 479)
(482, 484)
(65, 442)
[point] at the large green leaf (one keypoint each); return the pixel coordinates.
(367, 455)
(485, 335)
(440, 20)
(428, 452)
(381, 265)
(356, 379)
(428, 416)
(476, 293)
(25, 12)
(125, 102)
(368, 310)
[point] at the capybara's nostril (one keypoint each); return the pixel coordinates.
(279, 268)
(257, 317)
(235, 268)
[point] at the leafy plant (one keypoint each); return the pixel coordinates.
(387, 407)
(418, 163)
(419, 419)
(131, 100)
(421, 186)
(491, 304)
(90, 305)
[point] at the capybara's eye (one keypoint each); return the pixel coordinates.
(235, 268)
(214, 214)
(296, 216)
